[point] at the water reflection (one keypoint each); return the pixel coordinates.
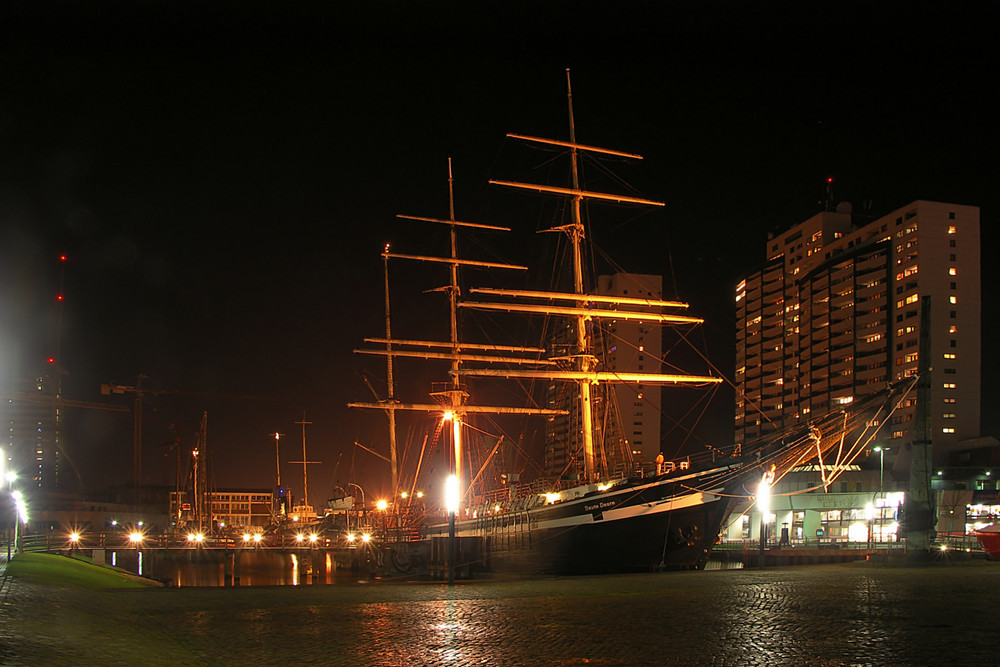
(234, 567)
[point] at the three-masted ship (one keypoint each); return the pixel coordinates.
(600, 520)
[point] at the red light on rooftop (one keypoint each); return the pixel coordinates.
(830, 179)
(62, 258)
(52, 360)
(59, 297)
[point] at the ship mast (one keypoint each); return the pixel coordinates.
(391, 399)
(305, 510)
(584, 359)
(456, 396)
(453, 400)
(579, 306)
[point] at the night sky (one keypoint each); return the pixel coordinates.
(223, 176)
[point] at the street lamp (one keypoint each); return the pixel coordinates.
(881, 466)
(764, 505)
(21, 516)
(451, 495)
(11, 476)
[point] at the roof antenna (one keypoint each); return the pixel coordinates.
(828, 205)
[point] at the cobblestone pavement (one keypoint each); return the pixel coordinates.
(817, 615)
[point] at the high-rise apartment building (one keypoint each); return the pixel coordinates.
(834, 313)
(627, 417)
(637, 347)
(32, 441)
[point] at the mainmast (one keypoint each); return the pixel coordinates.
(580, 306)
(584, 359)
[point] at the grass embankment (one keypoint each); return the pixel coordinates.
(71, 572)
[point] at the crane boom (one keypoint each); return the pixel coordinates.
(29, 397)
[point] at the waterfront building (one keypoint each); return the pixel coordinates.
(834, 313)
(855, 508)
(862, 507)
(238, 509)
(97, 521)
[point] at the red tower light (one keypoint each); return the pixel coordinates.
(59, 297)
(62, 258)
(52, 360)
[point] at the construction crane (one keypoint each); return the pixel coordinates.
(140, 392)
(58, 402)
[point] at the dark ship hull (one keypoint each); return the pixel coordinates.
(638, 525)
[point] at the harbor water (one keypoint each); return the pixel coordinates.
(182, 568)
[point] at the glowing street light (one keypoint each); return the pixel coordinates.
(22, 508)
(451, 494)
(21, 511)
(451, 498)
(764, 505)
(74, 541)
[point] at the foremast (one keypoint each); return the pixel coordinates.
(453, 405)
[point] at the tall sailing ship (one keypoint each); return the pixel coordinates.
(600, 517)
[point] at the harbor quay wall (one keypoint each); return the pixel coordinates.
(830, 614)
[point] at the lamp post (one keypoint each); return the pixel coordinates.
(881, 485)
(869, 515)
(20, 516)
(764, 505)
(11, 476)
(881, 466)
(451, 504)
(382, 505)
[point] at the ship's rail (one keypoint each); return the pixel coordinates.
(520, 496)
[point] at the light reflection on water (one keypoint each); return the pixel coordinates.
(211, 568)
